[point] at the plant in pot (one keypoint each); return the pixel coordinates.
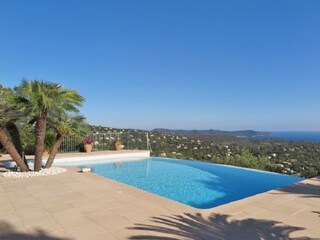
(88, 144)
(117, 145)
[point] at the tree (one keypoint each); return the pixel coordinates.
(65, 125)
(41, 99)
(9, 112)
(17, 114)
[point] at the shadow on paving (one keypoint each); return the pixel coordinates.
(316, 212)
(217, 226)
(305, 190)
(7, 232)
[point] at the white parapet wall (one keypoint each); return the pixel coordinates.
(81, 159)
(108, 158)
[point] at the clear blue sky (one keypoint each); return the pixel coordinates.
(172, 63)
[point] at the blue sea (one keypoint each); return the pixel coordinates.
(293, 136)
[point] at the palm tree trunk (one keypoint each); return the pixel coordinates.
(54, 149)
(40, 135)
(16, 139)
(15, 136)
(12, 151)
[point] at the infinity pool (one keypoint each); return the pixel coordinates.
(197, 184)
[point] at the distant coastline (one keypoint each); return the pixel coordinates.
(212, 132)
(296, 136)
(307, 136)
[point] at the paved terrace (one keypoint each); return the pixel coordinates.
(76, 205)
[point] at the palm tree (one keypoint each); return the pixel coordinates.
(6, 143)
(11, 126)
(8, 114)
(13, 131)
(65, 125)
(41, 98)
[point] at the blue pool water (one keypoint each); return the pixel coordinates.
(197, 184)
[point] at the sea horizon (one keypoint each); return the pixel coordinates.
(307, 136)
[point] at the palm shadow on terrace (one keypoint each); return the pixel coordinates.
(195, 227)
(306, 189)
(8, 232)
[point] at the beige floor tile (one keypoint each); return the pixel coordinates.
(108, 220)
(288, 208)
(56, 208)
(98, 236)
(84, 230)
(5, 205)
(267, 215)
(314, 232)
(11, 224)
(109, 202)
(311, 214)
(72, 197)
(72, 221)
(39, 221)
(59, 234)
(123, 233)
(46, 227)
(122, 210)
(6, 211)
(4, 201)
(10, 218)
(86, 208)
(304, 223)
(138, 216)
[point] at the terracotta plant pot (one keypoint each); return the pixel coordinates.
(87, 148)
(46, 152)
(117, 145)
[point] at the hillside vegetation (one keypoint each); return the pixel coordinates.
(294, 158)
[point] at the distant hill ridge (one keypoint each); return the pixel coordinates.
(212, 132)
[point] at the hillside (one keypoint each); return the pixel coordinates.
(232, 148)
(212, 132)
